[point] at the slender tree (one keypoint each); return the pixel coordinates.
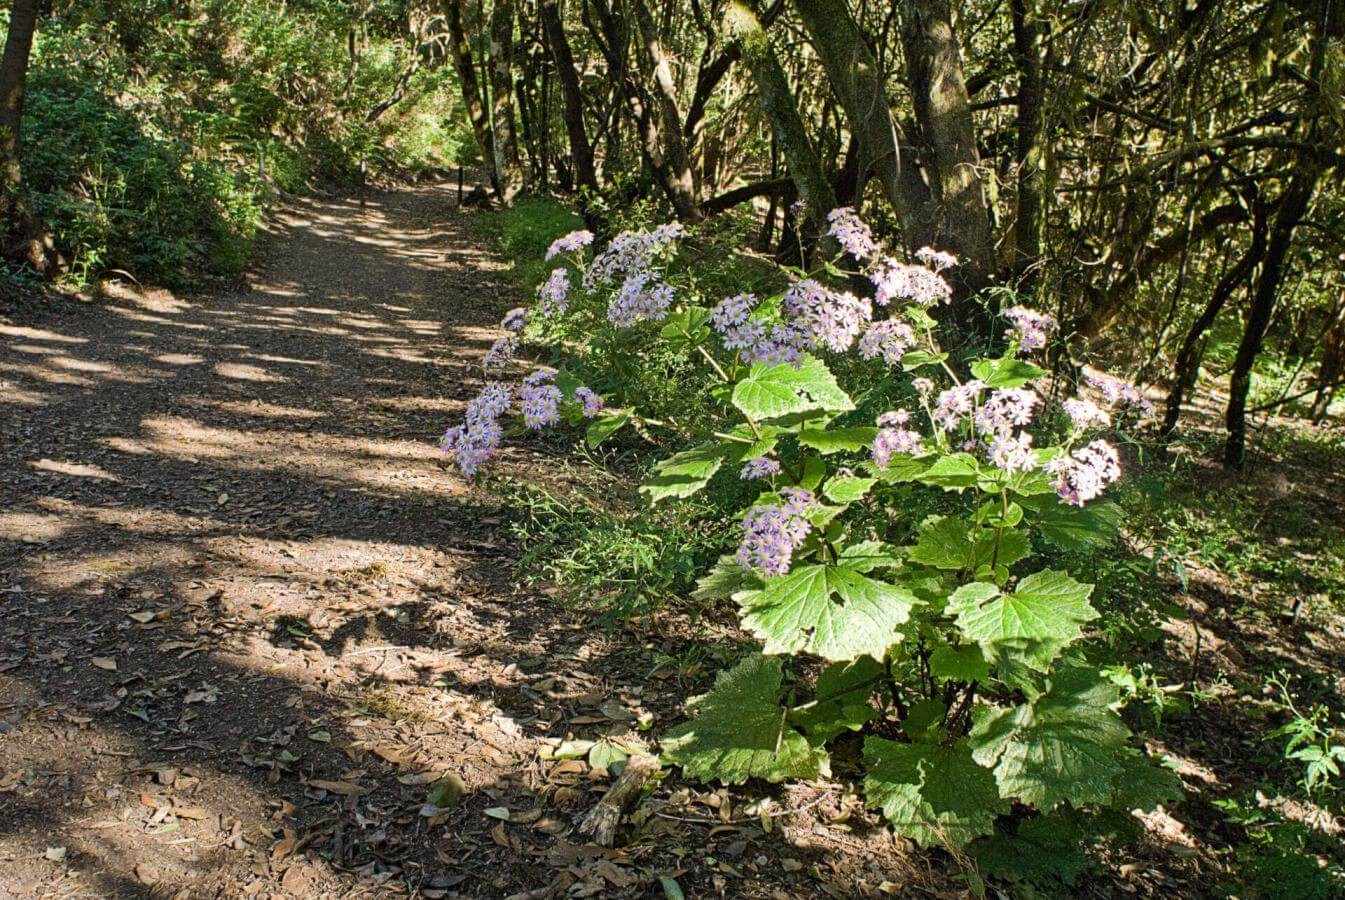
(461, 51)
(504, 140)
(14, 216)
(581, 150)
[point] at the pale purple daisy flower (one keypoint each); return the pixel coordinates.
(923, 386)
(1086, 413)
(501, 352)
(1004, 410)
(1085, 473)
(851, 233)
(771, 534)
(1012, 452)
(894, 280)
(890, 441)
(895, 417)
(575, 240)
(888, 339)
(477, 439)
(937, 260)
(592, 403)
(540, 400)
(1030, 329)
(630, 252)
(784, 344)
(642, 297)
(515, 320)
(761, 467)
(956, 403)
(831, 319)
(555, 292)
(1114, 391)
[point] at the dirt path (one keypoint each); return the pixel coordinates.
(246, 612)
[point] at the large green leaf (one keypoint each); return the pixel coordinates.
(1045, 850)
(686, 327)
(847, 488)
(830, 610)
(1076, 529)
(1033, 623)
(842, 703)
(771, 391)
(838, 440)
(953, 472)
(933, 794)
(1007, 372)
(685, 473)
(1067, 746)
(605, 426)
(952, 544)
(724, 580)
(740, 731)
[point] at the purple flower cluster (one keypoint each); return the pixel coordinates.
(889, 339)
(956, 403)
(830, 319)
(894, 280)
(515, 320)
(891, 440)
(642, 297)
(554, 293)
(772, 344)
(1005, 410)
(592, 403)
(937, 260)
(1086, 414)
(851, 233)
(501, 352)
(772, 533)
(761, 467)
(1114, 391)
(630, 252)
(1029, 328)
(1012, 452)
(1085, 473)
(570, 243)
(477, 439)
(540, 400)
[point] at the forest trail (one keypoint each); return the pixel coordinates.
(247, 611)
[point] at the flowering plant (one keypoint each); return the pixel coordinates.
(943, 644)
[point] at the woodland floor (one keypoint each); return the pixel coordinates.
(248, 614)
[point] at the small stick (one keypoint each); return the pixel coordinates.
(602, 821)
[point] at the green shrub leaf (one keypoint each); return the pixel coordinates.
(830, 610)
(932, 794)
(741, 732)
(771, 391)
(1034, 622)
(685, 473)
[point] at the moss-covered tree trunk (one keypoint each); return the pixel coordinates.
(777, 101)
(581, 150)
(860, 88)
(461, 51)
(13, 84)
(943, 111)
(508, 169)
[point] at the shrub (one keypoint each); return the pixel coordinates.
(895, 548)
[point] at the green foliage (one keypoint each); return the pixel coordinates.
(153, 139)
(741, 731)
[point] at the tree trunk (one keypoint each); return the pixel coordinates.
(14, 80)
(860, 87)
(777, 101)
(1298, 194)
(461, 51)
(1027, 38)
(505, 140)
(580, 148)
(678, 178)
(943, 111)
(1187, 366)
